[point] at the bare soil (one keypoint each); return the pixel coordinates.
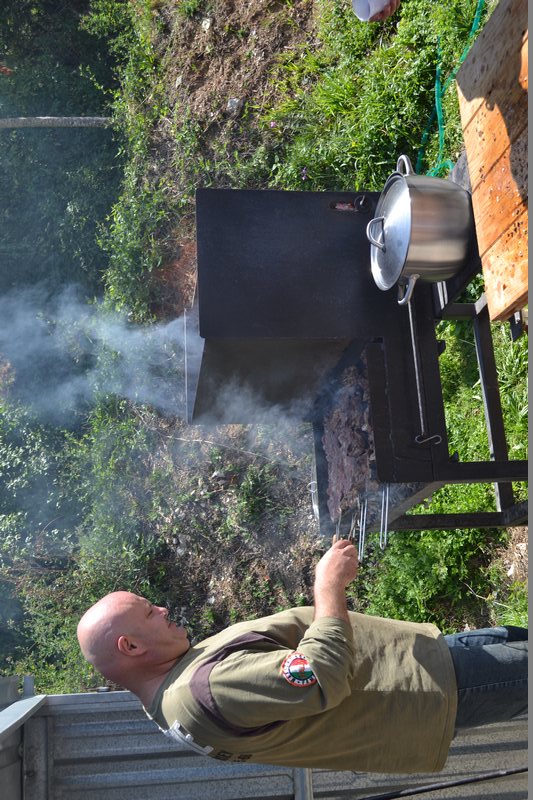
(514, 556)
(227, 55)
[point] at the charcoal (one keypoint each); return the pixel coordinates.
(348, 444)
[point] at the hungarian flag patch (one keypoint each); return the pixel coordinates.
(297, 671)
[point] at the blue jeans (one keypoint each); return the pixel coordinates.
(491, 671)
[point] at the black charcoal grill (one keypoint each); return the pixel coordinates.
(290, 314)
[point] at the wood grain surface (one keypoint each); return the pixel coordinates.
(492, 89)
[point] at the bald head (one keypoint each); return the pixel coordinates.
(100, 628)
(131, 641)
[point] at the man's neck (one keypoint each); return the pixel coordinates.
(146, 688)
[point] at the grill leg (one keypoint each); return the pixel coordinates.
(491, 399)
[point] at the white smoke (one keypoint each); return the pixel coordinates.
(65, 352)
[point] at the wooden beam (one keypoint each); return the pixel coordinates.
(492, 89)
(499, 197)
(494, 72)
(506, 264)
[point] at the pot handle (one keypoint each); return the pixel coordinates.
(406, 297)
(405, 162)
(369, 235)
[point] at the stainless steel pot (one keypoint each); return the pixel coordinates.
(422, 229)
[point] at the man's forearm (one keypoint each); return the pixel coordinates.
(335, 570)
(330, 601)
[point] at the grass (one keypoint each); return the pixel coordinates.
(434, 576)
(514, 611)
(133, 235)
(346, 113)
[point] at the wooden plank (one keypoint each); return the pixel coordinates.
(493, 71)
(490, 391)
(490, 131)
(506, 263)
(492, 89)
(499, 199)
(507, 90)
(482, 471)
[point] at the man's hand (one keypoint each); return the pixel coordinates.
(385, 12)
(338, 566)
(335, 570)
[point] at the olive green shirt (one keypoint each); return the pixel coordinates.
(375, 695)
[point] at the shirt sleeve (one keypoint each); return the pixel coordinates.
(251, 689)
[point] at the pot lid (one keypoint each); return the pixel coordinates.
(391, 229)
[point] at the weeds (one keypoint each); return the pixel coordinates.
(346, 118)
(433, 576)
(254, 492)
(512, 608)
(133, 237)
(189, 7)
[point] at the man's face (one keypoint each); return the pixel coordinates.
(151, 625)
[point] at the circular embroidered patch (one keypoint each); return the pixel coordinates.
(297, 671)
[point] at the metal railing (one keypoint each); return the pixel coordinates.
(101, 746)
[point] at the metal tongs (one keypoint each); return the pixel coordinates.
(384, 523)
(362, 529)
(353, 527)
(361, 523)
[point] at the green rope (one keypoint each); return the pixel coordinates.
(440, 90)
(439, 93)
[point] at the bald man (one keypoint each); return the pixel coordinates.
(316, 687)
(131, 642)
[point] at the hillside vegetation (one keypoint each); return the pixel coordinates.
(104, 486)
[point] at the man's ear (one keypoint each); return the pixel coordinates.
(128, 647)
